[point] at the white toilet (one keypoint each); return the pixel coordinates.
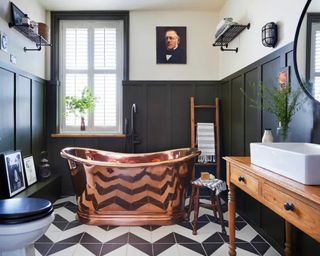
(22, 222)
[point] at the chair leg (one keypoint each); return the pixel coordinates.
(196, 210)
(223, 229)
(214, 204)
(191, 202)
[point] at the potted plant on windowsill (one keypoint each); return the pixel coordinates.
(80, 105)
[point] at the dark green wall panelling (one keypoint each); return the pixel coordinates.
(54, 146)
(180, 114)
(158, 118)
(226, 117)
(7, 80)
(252, 125)
(245, 124)
(301, 129)
(162, 120)
(273, 225)
(38, 119)
(205, 92)
(23, 115)
(237, 117)
(136, 93)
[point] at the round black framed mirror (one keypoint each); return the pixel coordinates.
(307, 49)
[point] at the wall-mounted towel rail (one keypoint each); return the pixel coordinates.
(225, 38)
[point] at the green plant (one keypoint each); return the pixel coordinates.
(80, 105)
(282, 101)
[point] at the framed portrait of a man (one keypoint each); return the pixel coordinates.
(12, 171)
(171, 45)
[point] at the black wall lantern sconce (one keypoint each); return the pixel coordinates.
(270, 34)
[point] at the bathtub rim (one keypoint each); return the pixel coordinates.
(193, 153)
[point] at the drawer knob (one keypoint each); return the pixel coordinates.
(241, 179)
(288, 206)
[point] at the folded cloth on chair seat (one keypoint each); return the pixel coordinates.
(215, 184)
(206, 142)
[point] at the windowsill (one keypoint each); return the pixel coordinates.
(88, 135)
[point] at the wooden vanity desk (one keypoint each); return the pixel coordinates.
(298, 204)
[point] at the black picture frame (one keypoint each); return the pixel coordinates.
(171, 56)
(13, 173)
(16, 15)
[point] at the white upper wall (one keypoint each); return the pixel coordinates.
(32, 61)
(202, 63)
(205, 62)
(285, 13)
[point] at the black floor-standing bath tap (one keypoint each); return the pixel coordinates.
(132, 137)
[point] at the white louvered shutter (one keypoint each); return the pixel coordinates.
(315, 60)
(92, 55)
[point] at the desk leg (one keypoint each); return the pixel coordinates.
(231, 217)
(287, 244)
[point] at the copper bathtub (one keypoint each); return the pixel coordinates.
(130, 189)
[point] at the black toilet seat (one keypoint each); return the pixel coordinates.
(20, 210)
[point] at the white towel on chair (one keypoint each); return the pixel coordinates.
(206, 142)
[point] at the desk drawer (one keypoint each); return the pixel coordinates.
(244, 181)
(291, 208)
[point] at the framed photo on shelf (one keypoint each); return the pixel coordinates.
(12, 170)
(30, 170)
(16, 15)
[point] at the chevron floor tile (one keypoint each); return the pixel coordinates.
(66, 237)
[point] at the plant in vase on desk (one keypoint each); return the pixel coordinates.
(80, 105)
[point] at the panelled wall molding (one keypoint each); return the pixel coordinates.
(243, 124)
(22, 119)
(162, 120)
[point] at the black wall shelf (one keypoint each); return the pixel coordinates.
(25, 29)
(30, 34)
(232, 32)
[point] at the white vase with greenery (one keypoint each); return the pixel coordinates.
(282, 101)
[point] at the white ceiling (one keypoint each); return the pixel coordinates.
(154, 5)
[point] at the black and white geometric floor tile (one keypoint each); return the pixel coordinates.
(66, 236)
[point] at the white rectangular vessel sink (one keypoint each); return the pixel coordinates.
(297, 161)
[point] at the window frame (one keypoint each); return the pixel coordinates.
(56, 18)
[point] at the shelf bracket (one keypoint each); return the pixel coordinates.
(228, 50)
(34, 49)
(39, 46)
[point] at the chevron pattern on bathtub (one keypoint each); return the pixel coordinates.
(135, 178)
(118, 189)
(66, 237)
